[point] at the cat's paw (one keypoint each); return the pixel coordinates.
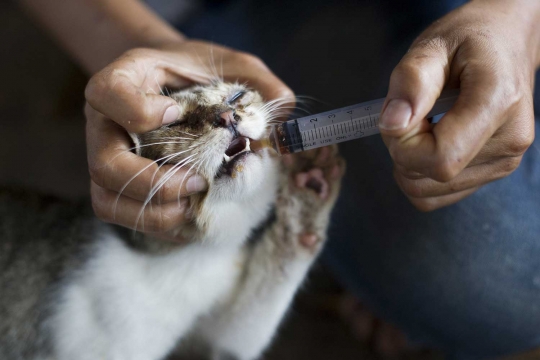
(319, 170)
(313, 182)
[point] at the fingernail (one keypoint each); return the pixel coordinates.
(171, 114)
(196, 183)
(396, 115)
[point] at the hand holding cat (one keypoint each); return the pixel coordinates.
(490, 50)
(126, 95)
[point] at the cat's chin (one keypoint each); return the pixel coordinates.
(250, 174)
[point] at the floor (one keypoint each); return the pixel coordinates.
(42, 147)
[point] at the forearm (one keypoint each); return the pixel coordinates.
(95, 32)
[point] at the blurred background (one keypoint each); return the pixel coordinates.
(42, 125)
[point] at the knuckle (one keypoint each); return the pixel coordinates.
(94, 89)
(287, 93)
(521, 143)
(138, 53)
(413, 189)
(97, 200)
(431, 44)
(411, 70)
(409, 187)
(161, 195)
(446, 170)
(88, 111)
(509, 165)
(100, 169)
(408, 174)
(509, 91)
(425, 205)
(140, 118)
(96, 174)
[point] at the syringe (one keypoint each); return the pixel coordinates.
(332, 127)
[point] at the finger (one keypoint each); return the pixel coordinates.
(434, 203)
(249, 68)
(118, 92)
(197, 58)
(471, 177)
(510, 141)
(456, 140)
(130, 213)
(415, 85)
(114, 167)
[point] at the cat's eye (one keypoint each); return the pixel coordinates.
(236, 96)
(173, 124)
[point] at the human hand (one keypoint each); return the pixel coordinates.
(489, 49)
(125, 96)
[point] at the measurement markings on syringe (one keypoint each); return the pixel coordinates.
(335, 126)
(336, 130)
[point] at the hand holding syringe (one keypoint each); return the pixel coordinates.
(332, 127)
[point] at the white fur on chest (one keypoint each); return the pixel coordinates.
(234, 210)
(134, 306)
(128, 305)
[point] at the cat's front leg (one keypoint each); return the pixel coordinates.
(128, 305)
(278, 261)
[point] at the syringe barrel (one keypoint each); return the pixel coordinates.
(285, 138)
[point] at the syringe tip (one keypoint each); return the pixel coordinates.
(258, 145)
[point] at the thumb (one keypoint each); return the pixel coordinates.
(117, 93)
(415, 85)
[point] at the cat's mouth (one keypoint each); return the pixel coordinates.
(238, 149)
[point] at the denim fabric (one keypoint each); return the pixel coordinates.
(465, 278)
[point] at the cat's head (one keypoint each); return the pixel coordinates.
(211, 137)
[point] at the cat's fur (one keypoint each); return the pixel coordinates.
(74, 288)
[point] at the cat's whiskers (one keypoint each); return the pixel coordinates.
(182, 182)
(210, 75)
(166, 177)
(274, 102)
(279, 109)
(176, 137)
(168, 160)
(194, 135)
(137, 174)
(129, 150)
(165, 163)
(159, 86)
(213, 65)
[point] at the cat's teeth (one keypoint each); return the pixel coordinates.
(229, 158)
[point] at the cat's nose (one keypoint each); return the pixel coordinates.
(226, 119)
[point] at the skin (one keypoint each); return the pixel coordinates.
(124, 82)
(123, 94)
(487, 48)
(490, 50)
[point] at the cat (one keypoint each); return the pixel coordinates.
(75, 288)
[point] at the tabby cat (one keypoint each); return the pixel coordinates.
(75, 288)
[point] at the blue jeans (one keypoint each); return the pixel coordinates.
(465, 278)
